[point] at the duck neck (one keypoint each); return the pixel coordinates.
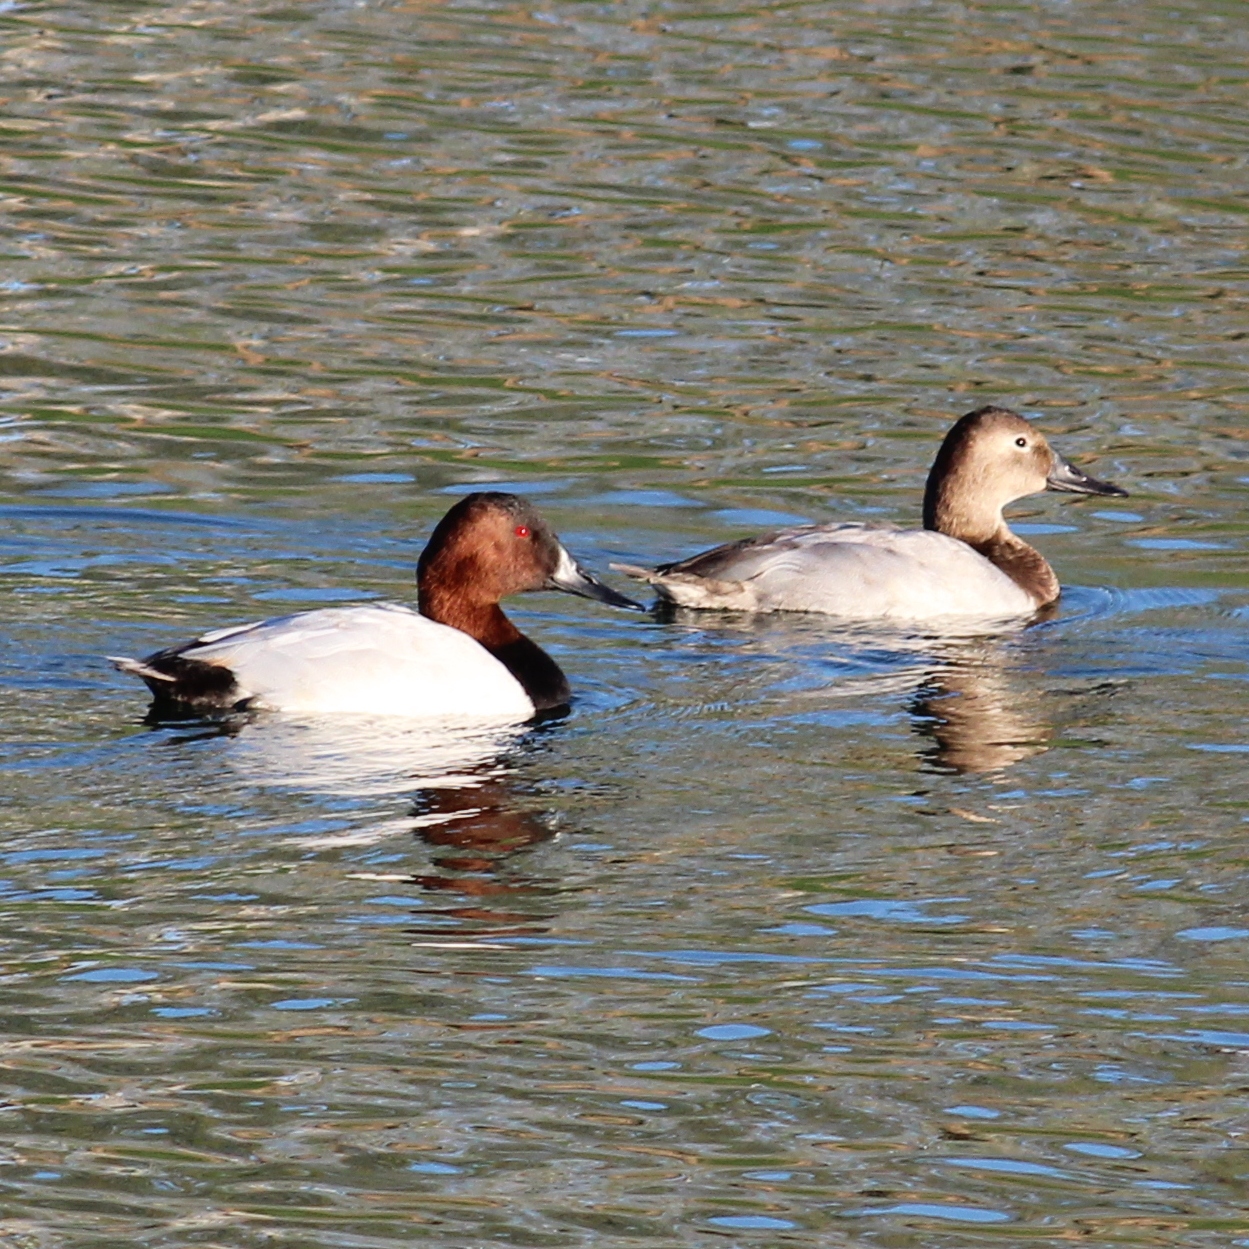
(985, 530)
(1023, 564)
(539, 675)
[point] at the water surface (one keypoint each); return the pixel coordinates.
(788, 934)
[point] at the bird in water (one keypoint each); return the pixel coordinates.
(458, 657)
(965, 562)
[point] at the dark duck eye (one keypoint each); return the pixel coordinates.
(1019, 442)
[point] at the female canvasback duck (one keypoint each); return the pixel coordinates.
(964, 562)
(459, 658)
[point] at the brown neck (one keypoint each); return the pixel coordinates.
(539, 675)
(1023, 564)
(483, 621)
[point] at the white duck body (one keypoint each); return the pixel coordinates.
(378, 659)
(853, 571)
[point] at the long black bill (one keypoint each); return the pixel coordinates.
(1065, 476)
(571, 577)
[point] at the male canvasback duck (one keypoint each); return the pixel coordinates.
(460, 657)
(964, 562)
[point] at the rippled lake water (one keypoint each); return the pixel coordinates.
(787, 935)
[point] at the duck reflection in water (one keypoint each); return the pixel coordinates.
(977, 718)
(967, 692)
(470, 804)
(478, 836)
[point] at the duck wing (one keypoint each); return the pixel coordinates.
(740, 561)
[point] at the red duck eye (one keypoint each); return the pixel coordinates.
(522, 531)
